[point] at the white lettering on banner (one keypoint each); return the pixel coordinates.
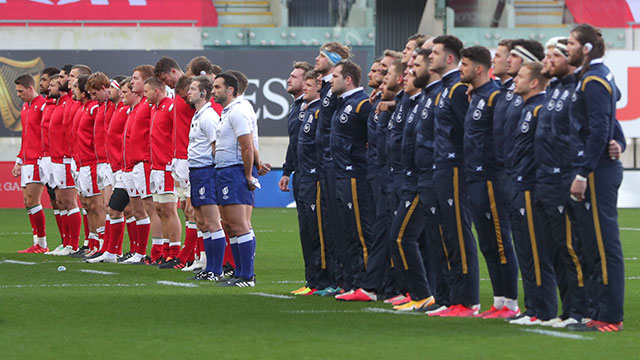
(11, 186)
(275, 98)
(625, 66)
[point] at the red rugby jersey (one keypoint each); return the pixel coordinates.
(162, 121)
(140, 149)
(58, 147)
(44, 127)
(115, 136)
(184, 113)
(128, 139)
(217, 108)
(31, 119)
(100, 132)
(72, 116)
(85, 135)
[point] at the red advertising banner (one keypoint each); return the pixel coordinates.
(108, 13)
(10, 190)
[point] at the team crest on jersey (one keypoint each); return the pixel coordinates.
(389, 125)
(441, 103)
(202, 191)
(559, 105)
(551, 105)
(225, 192)
(307, 127)
(410, 119)
(556, 92)
(565, 95)
(399, 115)
(347, 110)
(524, 128)
(301, 116)
(425, 113)
(375, 118)
(528, 116)
(518, 101)
(480, 104)
(325, 101)
(574, 97)
(509, 95)
(344, 118)
(477, 114)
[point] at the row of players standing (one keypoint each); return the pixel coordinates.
(388, 186)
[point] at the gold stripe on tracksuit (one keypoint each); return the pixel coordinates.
(403, 227)
(532, 237)
(356, 209)
(456, 199)
(323, 259)
(596, 224)
(572, 252)
(444, 247)
(496, 221)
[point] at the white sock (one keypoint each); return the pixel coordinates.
(498, 302)
(511, 304)
(42, 241)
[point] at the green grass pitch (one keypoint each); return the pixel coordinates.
(46, 314)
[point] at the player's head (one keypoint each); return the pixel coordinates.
(243, 81)
(523, 52)
(413, 42)
(98, 86)
(530, 79)
(296, 77)
(128, 96)
(200, 90)
(200, 65)
(54, 87)
(559, 60)
(64, 78)
(115, 93)
(549, 48)
(76, 71)
(374, 74)
(499, 60)
(225, 88)
(410, 83)
(421, 68)
(393, 80)
(45, 79)
(311, 86)
(80, 91)
(154, 90)
(445, 53)
(330, 55)
(168, 71)
(182, 86)
(475, 62)
(346, 76)
(140, 74)
(26, 87)
(585, 44)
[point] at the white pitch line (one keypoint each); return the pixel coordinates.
(17, 262)
(389, 311)
(631, 258)
(558, 334)
(318, 311)
(89, 271)
(288, 282)
(629, 229)
(69, 285)
(275, 296)
(173, 283)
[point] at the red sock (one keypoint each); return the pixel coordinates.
(190, 239)
(106, 236)
(228, 255)
(56, 213)
(199, 244)
(174, 249)
(133, 233)
(144, 228)
(165, 249)
(74, 220)
(156, 248)
(64, 220)
(85, 224)
(32, 221)
(116, 234)
(40, 223)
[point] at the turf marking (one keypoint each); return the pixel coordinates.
(69, 285)
(558, 334)
(173, 283)
(275, 296)
(630, 229)
(389, 311)
(631, 258)
(318, 311)
(88, 271)
(17, 262)
(288, 281)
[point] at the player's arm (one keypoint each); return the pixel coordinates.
(246, 149)
(598, 104)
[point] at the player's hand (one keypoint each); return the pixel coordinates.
(264, 169)
(17, 170)
(283, 184)
(615, 150)
(251, 182)
(578, 188)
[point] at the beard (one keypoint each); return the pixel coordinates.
(65, 87)
(422, 81)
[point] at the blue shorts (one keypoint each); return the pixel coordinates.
(232, 187)
(203, 186)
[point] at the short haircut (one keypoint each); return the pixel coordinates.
(229, 81)
(82, 69)
(392, 53)
(536, 72)
(399, 66)
(118, 78)
(311, 74)
(478, 54)
(54, 76)
(451, 44)
(352, 70)
(534, 47)
(217, 69)
(508, 43)
(302, 65)
(155, 83)
(190, 63)
(183, 83)
(82, 85)
(51, 71)
(377, 60)
(202, 66)
(424, 53)
(243, 82)
(164, 66)
(418, 38)
(146, 71)
(97, 81)
(336, 47)
(125, 82)
(67, 68)
(204, 84)
(25, 80)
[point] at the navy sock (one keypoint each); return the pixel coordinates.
(218, 243)
(209, 250)
(246, 248)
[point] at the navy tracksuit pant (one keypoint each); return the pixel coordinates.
(334, 237)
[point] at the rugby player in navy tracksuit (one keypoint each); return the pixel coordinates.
(489, 210)
(596, 177)
(538, 277)
(450, 181)
(348, 147)
(553, 167)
